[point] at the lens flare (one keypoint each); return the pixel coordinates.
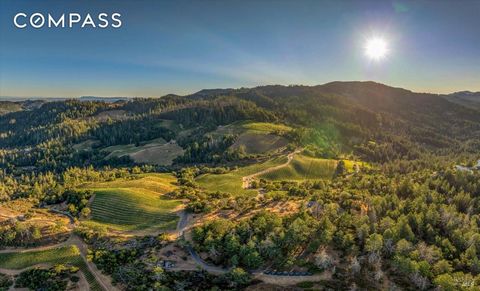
(376, 49)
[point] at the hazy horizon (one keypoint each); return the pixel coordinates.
(195, 91)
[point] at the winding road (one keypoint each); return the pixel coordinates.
(182, 224)
(247, 180)
(274, 279)
(181, 227)
(204, 265)
(103, 280)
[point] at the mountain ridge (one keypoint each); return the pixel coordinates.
(465, 98)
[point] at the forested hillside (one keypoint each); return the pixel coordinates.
(465, 98)
(348, 184)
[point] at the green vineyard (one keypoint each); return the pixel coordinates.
(135, 204)
(130, 209)
(63, 255)
(303, 168)
(232, 182)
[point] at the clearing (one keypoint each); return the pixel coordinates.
(85, 145)
(21, 212)
(232, 182)
(307, 168)
(114, 114)
(156, 151)
(135, 205)
(253, 127)
(256, 137)
(257, 143)
(49, 257)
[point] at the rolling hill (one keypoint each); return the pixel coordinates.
(465, 98)
(53, 256)
(338, 117)
(135, 204)
(306, 168)
(232, 182)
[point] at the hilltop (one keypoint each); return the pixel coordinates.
(347, 115)
(466, 98)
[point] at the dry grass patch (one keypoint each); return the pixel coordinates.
(85, 145)
(232, 182)
(156, 151)
(22, 213)
(112, 115)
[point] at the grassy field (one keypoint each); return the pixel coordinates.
(85, 145)
(111, 115)
(132, 205)
(159, 182)
(232, 182)
(121, 150)
(7, 107)
(53, 227)
(156, 151)
(252, 127)
(256, 137)
(302, 168)
(158, 155)
(63, 255)
(258, 143)
(265, 127)
(307, 168)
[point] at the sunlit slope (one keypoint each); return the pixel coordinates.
(257, 143)
(232, 182)
(256, 137)
(307, 168)
(303, 167)
(131, 205)
(7, 107)
(63, 255)
(157, 151)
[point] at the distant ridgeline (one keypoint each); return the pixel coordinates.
(50, 99)
(466, 98)
(376, 122)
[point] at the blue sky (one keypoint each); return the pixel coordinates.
(184, 46)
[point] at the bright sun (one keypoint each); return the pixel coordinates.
(376, 49)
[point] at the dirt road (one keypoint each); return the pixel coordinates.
(292, 280)
(103, 280)
(42, 248)
(247, 180)
(181, 227)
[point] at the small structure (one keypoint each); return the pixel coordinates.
(167, 264)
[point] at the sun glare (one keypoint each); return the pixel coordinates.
(376, 49)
